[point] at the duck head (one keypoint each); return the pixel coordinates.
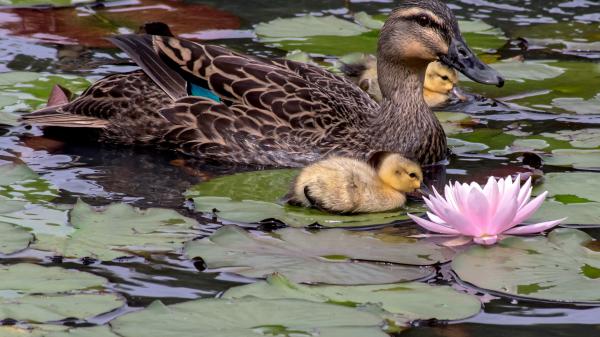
(422, 31)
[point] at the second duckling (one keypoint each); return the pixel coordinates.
(440, 80)
(346, 185)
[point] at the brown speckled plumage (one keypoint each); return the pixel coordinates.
(272, 112)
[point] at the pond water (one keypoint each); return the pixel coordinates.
(548, 50)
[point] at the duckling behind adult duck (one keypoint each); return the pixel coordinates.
(347, 185)
(216, 104)
(440, 80)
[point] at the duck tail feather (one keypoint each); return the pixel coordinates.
(51, 116)
(141, 49)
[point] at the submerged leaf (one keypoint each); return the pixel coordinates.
(306, 257)
(557, 268)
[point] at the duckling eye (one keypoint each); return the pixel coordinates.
(445, 78)
(423, 20)
(413, 175)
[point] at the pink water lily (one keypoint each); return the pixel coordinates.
(484, 214)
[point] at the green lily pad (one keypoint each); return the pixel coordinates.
(330, 35)
(557, 268)
(119, 230)
(40, 220)
(254, 196)
(26, 91)
(568, 36)
(400, 302)
(246, 318)
(13, 238)
(579, 159)
(584, 138)
(47, 330)
(553, 86)
(39, 294)
(574, 195)
(19, 182)
(53, 3)
(328, 256)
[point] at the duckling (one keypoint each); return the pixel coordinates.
(440, 80)
(346, 185)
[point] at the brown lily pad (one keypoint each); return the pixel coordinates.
(77, 26)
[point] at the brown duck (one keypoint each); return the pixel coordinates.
(217, 104)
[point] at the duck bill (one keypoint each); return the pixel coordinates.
(461, 58)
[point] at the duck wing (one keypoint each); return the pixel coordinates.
(266, 107)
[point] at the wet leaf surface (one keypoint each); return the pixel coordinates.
(248, 317)
(40, 294)
(557, 268)
(332, 256)
(400, 302)
(255, 196)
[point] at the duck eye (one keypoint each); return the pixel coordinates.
(413, 175)
(423, 20)
(445, 78)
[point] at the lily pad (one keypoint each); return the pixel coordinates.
(39, 294)
(557, 268)
(400, 302)
(584, 138)
(119, 230)
(574, 195)
(47, 330)
(553, 86)
(246, 318)
(19, 182)
(330, 35)
(328, 256)
(254, 196)
(578, 159)
(82, 27)
(13, 238)
(31, 89)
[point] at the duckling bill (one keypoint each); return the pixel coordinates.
(347, 186)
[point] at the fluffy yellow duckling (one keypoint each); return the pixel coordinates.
(345, 185)
(440, 80)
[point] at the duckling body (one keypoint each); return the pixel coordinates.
(219, 105)
(440, 80)
(347, 185)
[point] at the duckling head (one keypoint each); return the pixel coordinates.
(398, 172)
(440, 78)
(418, 32)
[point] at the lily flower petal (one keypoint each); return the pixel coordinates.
(432, 226)
(535, 228)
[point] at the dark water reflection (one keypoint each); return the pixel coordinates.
(101, 174)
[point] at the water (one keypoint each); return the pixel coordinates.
(101, 174)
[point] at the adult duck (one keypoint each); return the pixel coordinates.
(217, 104)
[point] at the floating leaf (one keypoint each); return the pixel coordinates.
(46, 330)
(13, 239)
(248, 317)
(327, 256)
(579, 159)
(584, 138)
(330, 35)
(40, 294)
(76, 26)
(400, 302)
(26, 91)
(575, 195)
(118, 230)
(254, 196)
(17, 181)
(557, 268)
